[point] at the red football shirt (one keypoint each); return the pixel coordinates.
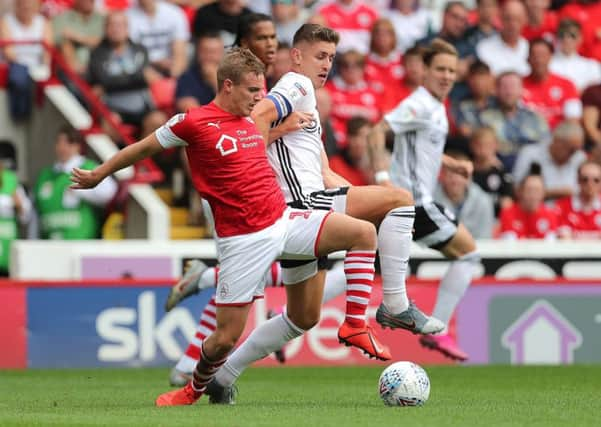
(552, 98)
(353, 22)
(385, 76)
(546, 30)
(523, 225)
(578, 222)
(229, 167)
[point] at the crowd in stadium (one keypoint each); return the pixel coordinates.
(526, 109)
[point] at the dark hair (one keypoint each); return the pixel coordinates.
(416, 50)
(236, 63)
(567, 24)
(452, 4)
(73, 135)
(283, 45)
(438, 47)
(354, 124)
(479, 67)
(544, 42)
(315, 33)
(246, 24)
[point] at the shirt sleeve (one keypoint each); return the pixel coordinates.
(292, 92)
(407, 116)
(174, 132)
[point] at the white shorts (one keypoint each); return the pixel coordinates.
(245, 260)
(333, 199)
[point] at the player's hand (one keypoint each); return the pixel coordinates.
(83, 179)
(296, 121)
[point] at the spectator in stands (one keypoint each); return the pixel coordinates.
(163, 30)
(553, 97)
(15, 206)
(351, 96)
(324, 108)
(454, 25)
(353, 162)
(383, 69)
(580, 214)
(198, 85)
(120, 72)
(508, 50)
(222, 16)
(412, 21)
(468, 203)
(281, 65)
(514, 124)
(353, 21)
(489, 172)
(542, 22)
(591, 115)
(566, 62)
(487, 11)
(588, 15)
(413, 65)
(288, 16)
(481, 84)
(76, 32)
(558, 161)
(26, 61)
(529, 218)
(26, 24)
(64, 213)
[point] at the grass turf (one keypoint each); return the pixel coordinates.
(286, 397)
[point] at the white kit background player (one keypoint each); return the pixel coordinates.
(420, 128)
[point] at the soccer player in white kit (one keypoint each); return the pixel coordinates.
(229, 168)
(420, 128)
(301, 167)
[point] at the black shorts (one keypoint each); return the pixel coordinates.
(434, 225)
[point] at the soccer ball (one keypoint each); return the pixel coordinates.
(404, 384)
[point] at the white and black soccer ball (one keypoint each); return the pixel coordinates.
(404, 384)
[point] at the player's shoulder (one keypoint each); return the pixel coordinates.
(292, 80)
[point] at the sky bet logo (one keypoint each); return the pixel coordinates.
(134, 334)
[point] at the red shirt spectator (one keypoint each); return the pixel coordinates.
(580, 215)
(351, 95)
(353, 162)
(554, 97)
(353, 20)
(518, 224)
(546, 30)
(529, 218)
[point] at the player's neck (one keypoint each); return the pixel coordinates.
(222, 103)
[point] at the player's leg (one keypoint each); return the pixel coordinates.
(196, 277)
(392, 209)
(462, 249)
(359, 239)
(245, 261)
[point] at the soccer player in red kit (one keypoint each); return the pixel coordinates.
(253, 224)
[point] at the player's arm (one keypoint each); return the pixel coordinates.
(263, 114)
(378, 155)
(462, 167)
(295, 121)
(126, 157)
(330, 178)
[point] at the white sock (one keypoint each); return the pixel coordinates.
(394, 245)
(453, 285)
(265, 339)
(335, 282)
(208, 278)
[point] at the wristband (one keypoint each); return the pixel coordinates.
(381, 176)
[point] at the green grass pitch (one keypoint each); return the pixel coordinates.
(316, 397)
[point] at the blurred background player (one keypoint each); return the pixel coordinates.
(420, 127)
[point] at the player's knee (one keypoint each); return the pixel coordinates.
(365, 235)
(307, 320)
(402, 198)
(224, 342)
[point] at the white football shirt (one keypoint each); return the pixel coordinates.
(420, 126)
(296, 156)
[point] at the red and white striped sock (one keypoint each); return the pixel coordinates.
(359, 270)
(206, 326)
(203, 373)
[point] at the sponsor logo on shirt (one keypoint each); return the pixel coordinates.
(300, 88)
